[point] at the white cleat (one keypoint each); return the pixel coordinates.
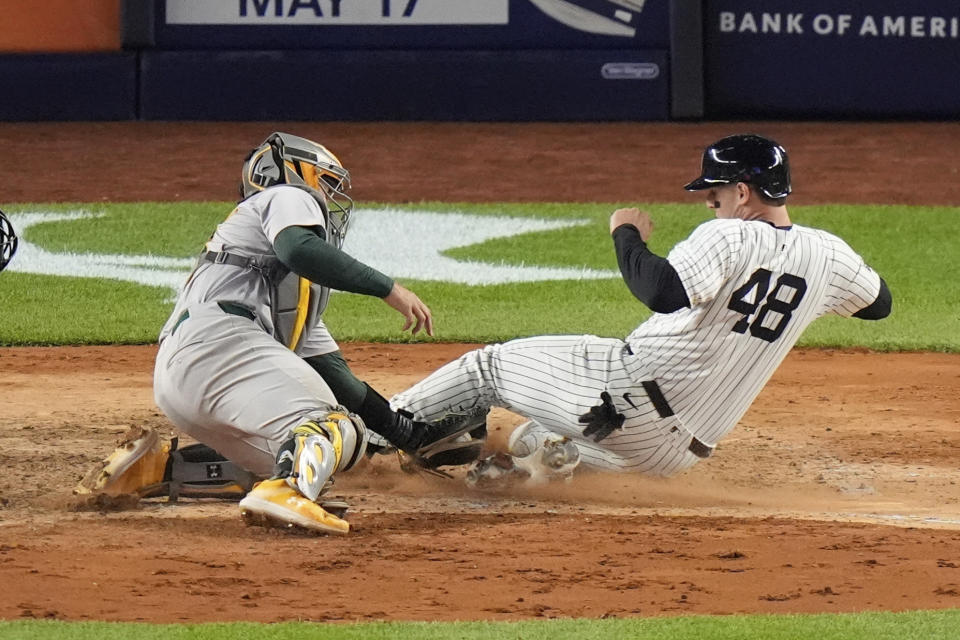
(536, 456)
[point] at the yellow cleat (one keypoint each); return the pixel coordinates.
(274, 503)
(136, 466)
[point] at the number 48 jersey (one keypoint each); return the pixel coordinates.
(753, 289)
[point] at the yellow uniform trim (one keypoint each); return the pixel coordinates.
(206, 247)
(303, 307)
(331, 432)
(309, 429)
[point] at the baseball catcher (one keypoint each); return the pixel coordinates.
(8, 241)
(247, 367)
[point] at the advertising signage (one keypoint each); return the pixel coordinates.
(413, 24)
(832, 58)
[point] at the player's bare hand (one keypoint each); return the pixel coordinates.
(639, 219)
(412, 308)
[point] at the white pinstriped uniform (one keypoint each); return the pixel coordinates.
(753, 289)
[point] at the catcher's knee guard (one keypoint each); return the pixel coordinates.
(319, 448)
(198, 471)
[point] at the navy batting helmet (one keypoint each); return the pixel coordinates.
(745, 158)
(8, 241)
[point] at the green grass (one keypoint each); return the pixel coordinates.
(55, 310)
(916, 625)
(160, 228)
(912, 247)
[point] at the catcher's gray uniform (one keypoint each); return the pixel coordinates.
(245, 356)
(221, 374)
(247, 367)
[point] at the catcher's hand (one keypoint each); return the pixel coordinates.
(602, 419)
(410, 306)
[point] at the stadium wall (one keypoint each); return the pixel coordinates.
(505, 60)
(832, 60)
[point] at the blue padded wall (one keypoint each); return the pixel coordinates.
(878, 59)
(526, 85)
(68, 87)
(401, 85)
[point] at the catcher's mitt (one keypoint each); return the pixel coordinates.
(453, 440)
(8, 241)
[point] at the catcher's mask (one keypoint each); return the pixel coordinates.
(745, 158)
(288, 159)
(8, 241)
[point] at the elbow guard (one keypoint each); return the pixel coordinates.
(879, 308)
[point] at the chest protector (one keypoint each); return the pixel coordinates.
(296, 302)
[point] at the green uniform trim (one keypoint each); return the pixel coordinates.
(304, 251)
(347, 389)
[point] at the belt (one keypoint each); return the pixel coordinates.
(227, 307)
(696, 447)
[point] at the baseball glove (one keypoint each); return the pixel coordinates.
(453, 440)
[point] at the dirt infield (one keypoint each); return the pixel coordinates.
(839, 490)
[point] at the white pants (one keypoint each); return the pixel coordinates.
(553, 380)
(224, 381)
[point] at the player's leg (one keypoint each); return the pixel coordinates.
(192, 374)
(527, 438)
(327, 443)
(550, 379)
(534, 455)
(554, 380)
(228, 384)
(397, 429)
(225, 382)
(557, 379)
(143, 464)
(645, 444)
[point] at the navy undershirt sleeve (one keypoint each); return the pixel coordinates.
(650, 278)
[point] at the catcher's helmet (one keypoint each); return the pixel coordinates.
(8, 241)
(288, 159)
(745, 158)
